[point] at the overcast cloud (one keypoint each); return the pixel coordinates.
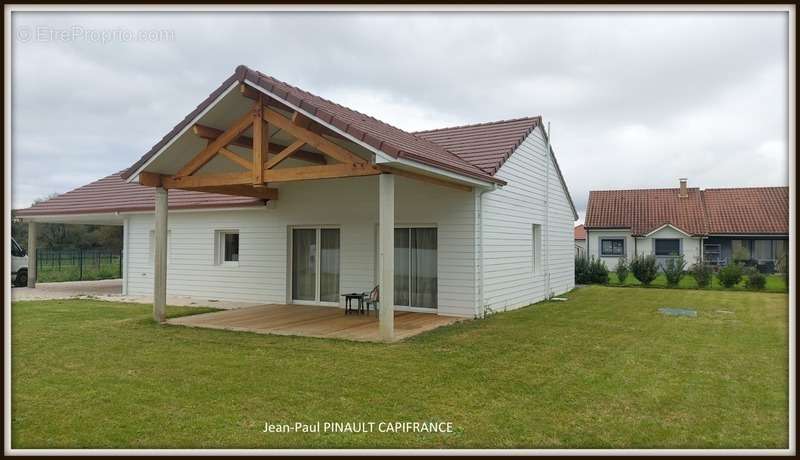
(635, 99)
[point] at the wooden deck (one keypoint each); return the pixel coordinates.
(312, 321)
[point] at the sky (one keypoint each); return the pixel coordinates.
(635, 100)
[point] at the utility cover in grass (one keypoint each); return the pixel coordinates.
(677, 312)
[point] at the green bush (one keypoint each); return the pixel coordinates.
(782, 267)
(674, 270)
(622, 270)
(582, 273)
(755, 280)
(730, 275)
(644, 269)
(702, 274)
(599, 271)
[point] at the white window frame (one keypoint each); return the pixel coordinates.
(318, 262)
(611, 238)
(219, 247)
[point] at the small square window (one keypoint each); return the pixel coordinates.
(227, 247)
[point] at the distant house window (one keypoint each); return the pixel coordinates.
(762, 250)
(227, 247)
(536, 244)
(668, 247)
(612, 247)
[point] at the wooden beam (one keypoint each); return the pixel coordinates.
(248, 165)
(284, 154)
(207, 132)
(313, 139)
(212, 148)
(149, 179)
(386, 255)
(32, 264)
(424, 178)
(160, 255)
(260, 144)
(319, 172)
(301, 120)
(240, 190)
(207, 180)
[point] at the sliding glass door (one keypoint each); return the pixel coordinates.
(315, 265)
(415, 267)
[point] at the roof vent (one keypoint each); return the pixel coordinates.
(684, 191)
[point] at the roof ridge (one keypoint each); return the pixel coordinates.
(472, 125)
(644, 189)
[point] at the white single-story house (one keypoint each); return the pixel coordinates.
(717, 226)
(268, 193)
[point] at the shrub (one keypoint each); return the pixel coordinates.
(701, 273)
(582, 273)
(755, 280)
(674, 270)
(782, 267)
(599, 271)
(741, 254)
(730, 275)
(644, 269)
(622, 270)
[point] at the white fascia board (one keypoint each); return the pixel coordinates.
(90, 218)
(182, 132)
(380, 156)
(665, 226)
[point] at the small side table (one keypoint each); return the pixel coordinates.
(348, 302)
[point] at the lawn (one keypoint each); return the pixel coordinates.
(775, 283)
(601, 370)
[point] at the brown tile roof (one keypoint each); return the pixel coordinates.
(713, 211)
(747, 210)
(485, 145)
(113, 194)
(580, 232)
(393, 141)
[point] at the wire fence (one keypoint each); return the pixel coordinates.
(77, 265)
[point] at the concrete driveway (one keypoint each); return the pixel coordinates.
(67, 290)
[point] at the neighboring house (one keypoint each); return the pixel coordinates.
(715, 225)
(580, 241)
(307, 192)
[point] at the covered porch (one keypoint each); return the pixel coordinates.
(314, 321)
(247, 141)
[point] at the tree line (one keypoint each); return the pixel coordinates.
(69, 236)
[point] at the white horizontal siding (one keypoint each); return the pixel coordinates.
(509, 214)
(350, 204)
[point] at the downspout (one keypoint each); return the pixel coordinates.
(547, 293)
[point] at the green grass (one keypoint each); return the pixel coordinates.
(775, 283)
(602, 370)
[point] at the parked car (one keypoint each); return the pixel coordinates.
(19, 265)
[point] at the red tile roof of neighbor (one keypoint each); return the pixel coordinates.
(762, 210)
(476, 151)
(113, 194)
(580, 232)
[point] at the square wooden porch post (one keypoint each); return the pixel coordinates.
(160, 256)
(32, 234)
(386, 252)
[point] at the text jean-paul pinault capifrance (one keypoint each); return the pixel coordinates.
(359, 427)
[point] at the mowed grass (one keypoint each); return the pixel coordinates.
(601, 370)
(775, 283)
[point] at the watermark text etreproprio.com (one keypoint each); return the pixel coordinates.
(77, 33)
